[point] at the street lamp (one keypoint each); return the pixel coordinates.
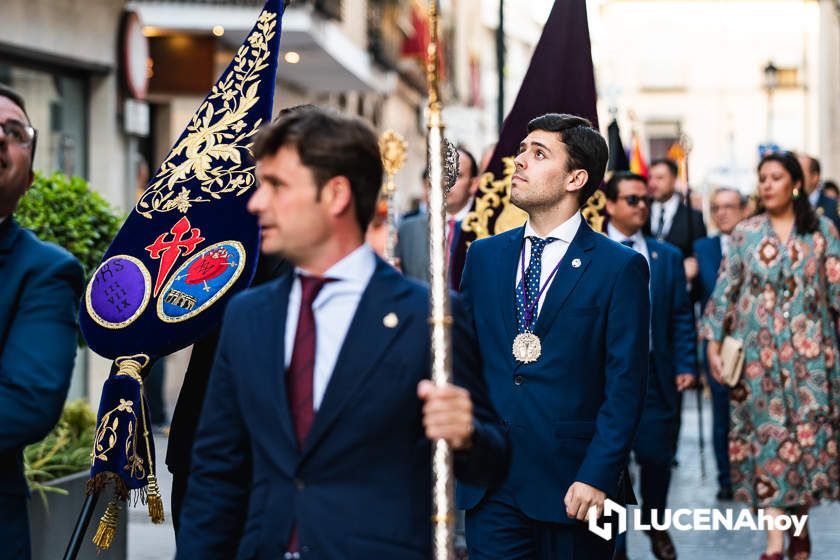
(771, 81)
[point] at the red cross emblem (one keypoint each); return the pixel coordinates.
(169, 251)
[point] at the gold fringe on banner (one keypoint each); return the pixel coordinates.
(107, 530)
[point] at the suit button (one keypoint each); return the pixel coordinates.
(517, 379)
(299, 484)
(304, 549)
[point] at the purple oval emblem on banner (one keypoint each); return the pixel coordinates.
(118, 292)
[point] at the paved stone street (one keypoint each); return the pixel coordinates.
(688, 490)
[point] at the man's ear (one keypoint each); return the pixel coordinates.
(577, 180)
(338, 194)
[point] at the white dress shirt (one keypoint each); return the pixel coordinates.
(814, 197)
(334, 309)
(639, 244)
(553, 252)
(670, 208)
(724, 243)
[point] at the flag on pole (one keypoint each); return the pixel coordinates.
(637, 160)
(618, 156)
(186, 248)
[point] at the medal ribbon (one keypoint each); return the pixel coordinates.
(528, 311)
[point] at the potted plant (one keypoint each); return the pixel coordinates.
(66, 211)
(56, 470)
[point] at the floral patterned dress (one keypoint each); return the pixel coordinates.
(778, 299)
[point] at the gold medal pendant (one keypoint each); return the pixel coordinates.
(527, 347)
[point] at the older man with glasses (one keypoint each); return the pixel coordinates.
(41, 288)
(728, 208)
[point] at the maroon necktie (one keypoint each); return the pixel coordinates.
(302, 367)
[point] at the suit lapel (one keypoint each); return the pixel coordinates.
(368, 338)
(9, 231)
(718, 250)
(510, 255)
(656, 271)
(272, 327)
(574, 264)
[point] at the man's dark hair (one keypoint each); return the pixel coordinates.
(813, 164)
(17, 99)
(585, 146)
(611, 188)
(669, 163)
(473, 165)
(330, 145)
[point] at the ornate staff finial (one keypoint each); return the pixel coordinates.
(393, 148)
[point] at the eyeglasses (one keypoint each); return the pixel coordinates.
(18, 133)
(719, 207)
(634, 200)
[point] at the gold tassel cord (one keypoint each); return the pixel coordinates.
(155, 501)
(107, 530)
(153, 497)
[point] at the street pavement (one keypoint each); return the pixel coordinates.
(689, 489)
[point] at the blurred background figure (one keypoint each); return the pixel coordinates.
(377, 232)
(830, 189)
(814, 190)
(727, 210)
(777, 285)
(413, 235)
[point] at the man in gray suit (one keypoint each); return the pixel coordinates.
(413, 233)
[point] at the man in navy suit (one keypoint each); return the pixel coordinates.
(562, 319)
(42, 285)
(332, 458)
(728, 206)
(822, 203)
(672, 349)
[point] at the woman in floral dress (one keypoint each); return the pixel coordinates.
(776, 291)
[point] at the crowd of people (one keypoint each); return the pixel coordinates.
(304, 425)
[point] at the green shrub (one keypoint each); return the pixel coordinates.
(65, 451)
(66, 211)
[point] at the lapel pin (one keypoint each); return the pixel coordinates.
(390, 320)
(654, 255)
(576, 263)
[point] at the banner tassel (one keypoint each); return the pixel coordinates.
(107, 530)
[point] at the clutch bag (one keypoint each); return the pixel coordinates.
(732, 360)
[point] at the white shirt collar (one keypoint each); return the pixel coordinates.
(670, 206)
(355, 268)
(564, 232)
(814, 197)
(616, 235)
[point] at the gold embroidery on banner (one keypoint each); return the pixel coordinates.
(217, 133)
(593, 210)
(492, 195)
(108, 429)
